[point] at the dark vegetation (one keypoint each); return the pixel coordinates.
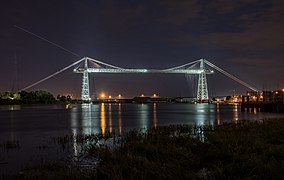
(32, 97)
(248, 150)
(7, 145)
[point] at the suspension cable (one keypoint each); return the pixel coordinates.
(109, 65)
(46, 40)
(50, 76)
(181, 66)
(230, 76)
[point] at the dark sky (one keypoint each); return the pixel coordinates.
(244, 37)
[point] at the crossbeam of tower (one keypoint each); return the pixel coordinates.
(100, 67)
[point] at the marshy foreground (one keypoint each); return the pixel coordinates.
(246, 150)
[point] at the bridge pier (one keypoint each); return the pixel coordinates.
(85, 94)
(202, 90)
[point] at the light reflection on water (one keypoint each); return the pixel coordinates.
(117, 117)
(235, 113)
(144, 113)
(155, 115)
(218, 114)
(10, 107)
(204, 114)
(103, 118)
(107, 117)
(110, 117)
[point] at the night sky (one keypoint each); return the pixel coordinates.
(244, 37)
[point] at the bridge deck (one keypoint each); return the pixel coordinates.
(117, 71)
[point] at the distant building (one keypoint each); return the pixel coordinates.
(276, 96)
(271, 101)
(273, 96)
(141, 99)
(185, 99)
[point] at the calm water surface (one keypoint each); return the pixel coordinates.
(34, 126)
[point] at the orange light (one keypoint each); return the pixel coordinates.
(155, 95)
(119, 96)
(142, 95)
(103, 95)
(109, 97)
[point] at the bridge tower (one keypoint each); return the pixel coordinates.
(202, 90)
(85, 95)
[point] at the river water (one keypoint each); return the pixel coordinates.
(32, 127)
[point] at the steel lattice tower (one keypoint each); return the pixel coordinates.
(85, 96)
(202, 90)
